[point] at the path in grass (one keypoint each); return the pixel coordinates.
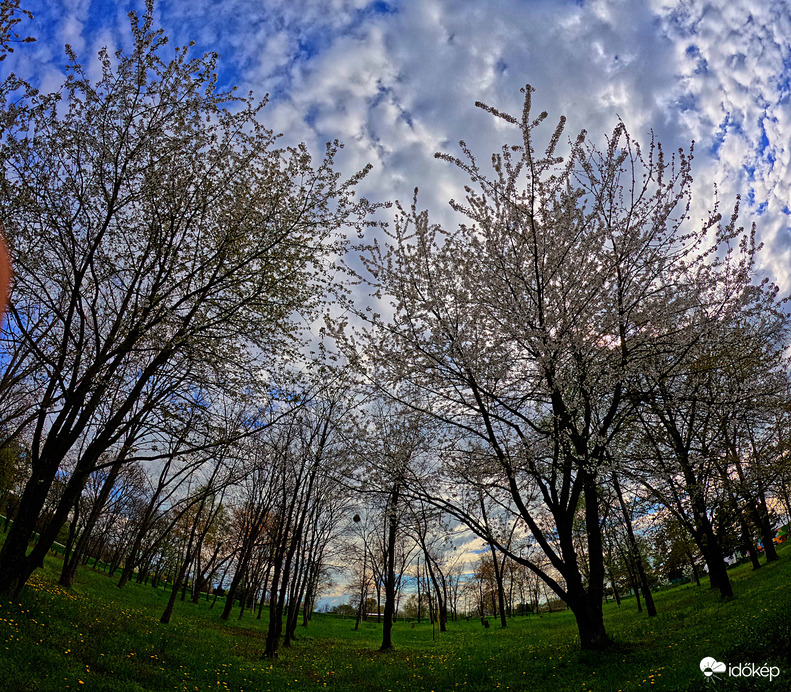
(99, 637)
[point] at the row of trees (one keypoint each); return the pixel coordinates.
(258, 518)
(578, 355)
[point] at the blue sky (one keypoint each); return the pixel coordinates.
(396, 80)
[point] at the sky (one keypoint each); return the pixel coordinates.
(397, 80)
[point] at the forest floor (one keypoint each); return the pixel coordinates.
(98, 637)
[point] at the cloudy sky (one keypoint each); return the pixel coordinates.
(397, 80)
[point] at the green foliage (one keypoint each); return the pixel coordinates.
(7, 467)
(13, 457)
(345, 610)
(110, 639)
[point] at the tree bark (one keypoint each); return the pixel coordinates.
(16, 565)
(498, 578)
(387, 629)
(637, 559)
(71, 564)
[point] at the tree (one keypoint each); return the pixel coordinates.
(198, 519)
(694, 399)
(363, 532)
(77, 542)
(386, 441)
(675, 548)
(12, 461)
(522, 330)
(162, 243)
(11, 14)
(634, 553)
(303, 450)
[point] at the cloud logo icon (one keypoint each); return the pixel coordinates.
(710, 665)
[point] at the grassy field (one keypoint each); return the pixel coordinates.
(99, 637)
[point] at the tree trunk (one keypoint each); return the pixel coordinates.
(132, 555)
(264, 588)
(498, 577)
(70, 564)
(765, 524)
(294, 600)
(441, 613)
(418, 590)
(747, 543)
(634, 582)
(756, 501)
(718, 574)
(16, 565)
(363, 591)
(612, 582)
(634, 549)
(310, 596)
(70, 551)
(387, 629)
(590, 623)
(238, 575)
(174, 592)
(585, 603)
(275, 613)
(704, 534)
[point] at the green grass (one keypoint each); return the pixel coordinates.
(99, 637)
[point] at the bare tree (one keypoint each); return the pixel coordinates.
(304, 449)
(387, 440)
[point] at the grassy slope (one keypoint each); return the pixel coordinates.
(97, 637)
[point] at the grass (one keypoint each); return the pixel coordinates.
(98, 637)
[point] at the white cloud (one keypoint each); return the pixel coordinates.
(397, 81)
(735, 61)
